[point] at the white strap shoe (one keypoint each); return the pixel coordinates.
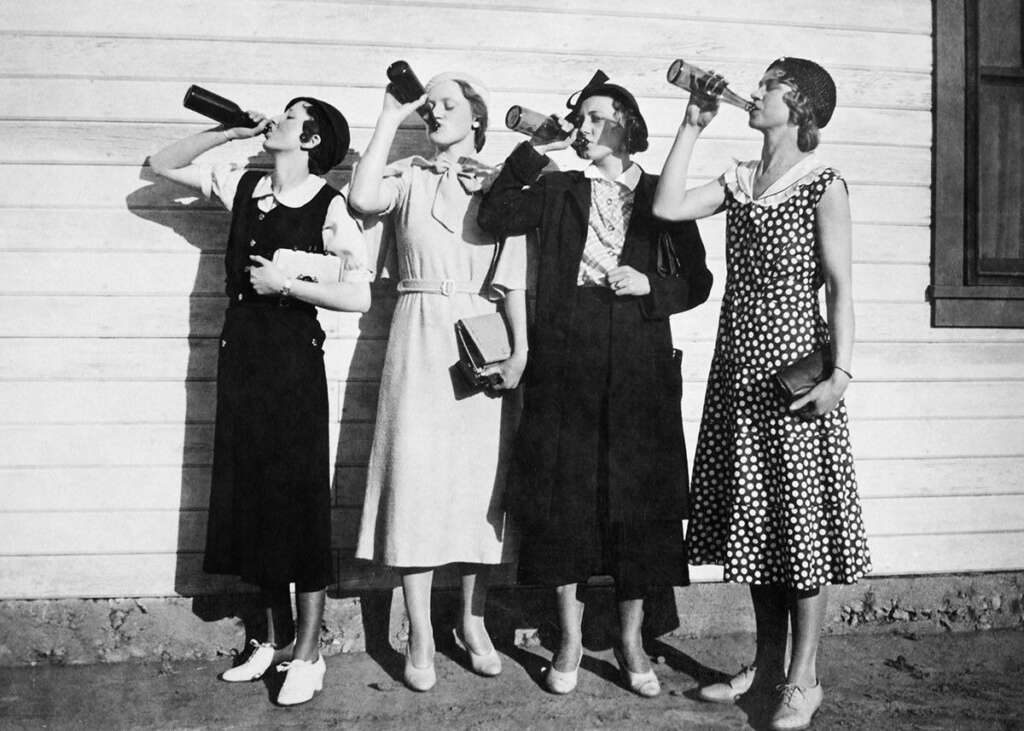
(304, 678)
(261, 658)
(561, 683)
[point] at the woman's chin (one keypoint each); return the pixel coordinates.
(445, 138)
(594, 153)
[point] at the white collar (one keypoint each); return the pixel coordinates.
(294, 197)
(628, 178)
(746, 172)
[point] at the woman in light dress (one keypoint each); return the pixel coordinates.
(434, 489)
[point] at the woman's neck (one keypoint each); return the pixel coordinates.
(613, 165)
(779, 152)
(291, 168)
(456, 150)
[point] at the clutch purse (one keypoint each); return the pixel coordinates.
(798, 378)
(483, 340)
(308, 267)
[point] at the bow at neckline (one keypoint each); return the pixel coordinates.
(469, 175)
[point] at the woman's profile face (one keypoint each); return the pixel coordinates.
(601, 127)
(770, 108)
(287, 128)
(452, 112)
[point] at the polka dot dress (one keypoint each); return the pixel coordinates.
(774, 498)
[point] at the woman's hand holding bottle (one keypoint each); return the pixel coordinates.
(394, 111)
(263, 124)
(544, 145)
(702, 106)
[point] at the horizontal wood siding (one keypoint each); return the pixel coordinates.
(111, 280)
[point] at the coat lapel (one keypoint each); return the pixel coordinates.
(639, 222)
(578, 194)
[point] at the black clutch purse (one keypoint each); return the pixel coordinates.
(798, 378)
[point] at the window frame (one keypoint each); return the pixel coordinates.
(956, 302)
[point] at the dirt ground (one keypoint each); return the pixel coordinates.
(872, 681)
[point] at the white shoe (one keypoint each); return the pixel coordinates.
(730, 690)
(643, 684)
(419, 679)
(488, 664)
(261, 658)
(303, 679)
(797, 707)
(562, 683)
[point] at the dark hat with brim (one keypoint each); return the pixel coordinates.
(812, 81)
(334, 134)
(599, 86)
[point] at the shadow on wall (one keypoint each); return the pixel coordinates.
(205, 225)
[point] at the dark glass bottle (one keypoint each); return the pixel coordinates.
(216, 107)
(534, 124)
(407, 88)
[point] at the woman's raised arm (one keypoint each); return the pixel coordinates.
(174, 162)
(366, 193)
(672, 200)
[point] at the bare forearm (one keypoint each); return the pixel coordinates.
(515, 309)
(839, 307)
(365, 190)
(670, 196)
(181, 153)
(340, 296)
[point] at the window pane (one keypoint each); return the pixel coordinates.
(1001, 178)
(999, 33)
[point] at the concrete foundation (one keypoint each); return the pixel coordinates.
(79, 631)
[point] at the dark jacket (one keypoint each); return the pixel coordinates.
(646, 462)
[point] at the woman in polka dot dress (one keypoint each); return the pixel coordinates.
(774, 495)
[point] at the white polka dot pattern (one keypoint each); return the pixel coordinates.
(774, 498)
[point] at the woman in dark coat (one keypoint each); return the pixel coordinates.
(598, 478)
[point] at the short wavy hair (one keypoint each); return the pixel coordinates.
(634, 125)
(801, 113)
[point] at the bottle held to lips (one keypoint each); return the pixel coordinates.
(686, 75)
(536, 125)
(407, 88)
(216, 107)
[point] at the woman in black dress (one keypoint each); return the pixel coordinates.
(598, 477)
(270, 519)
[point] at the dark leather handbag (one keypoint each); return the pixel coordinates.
(483, 340)
(668, 265)
(798, 378)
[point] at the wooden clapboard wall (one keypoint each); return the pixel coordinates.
(110, 281)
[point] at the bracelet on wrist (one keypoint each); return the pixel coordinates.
(286, 288)
(843, 370)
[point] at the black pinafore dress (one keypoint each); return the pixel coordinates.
(270, 520)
